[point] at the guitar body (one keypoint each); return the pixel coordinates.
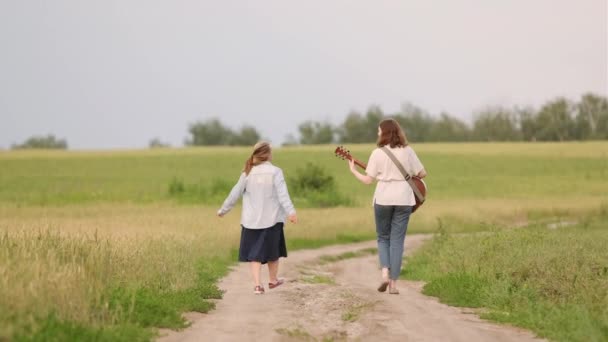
(418, 182)
(421, 185)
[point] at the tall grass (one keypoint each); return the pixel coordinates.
(554, 282)
(107, 245)
(96, 283)
(72, 272)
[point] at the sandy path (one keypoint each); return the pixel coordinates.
(335, 301)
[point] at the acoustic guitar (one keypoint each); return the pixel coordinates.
(344, 154)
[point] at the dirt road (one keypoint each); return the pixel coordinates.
(326, 300)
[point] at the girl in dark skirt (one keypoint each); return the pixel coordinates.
(266, 205)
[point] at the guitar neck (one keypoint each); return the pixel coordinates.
(359, 163)
(343, 153)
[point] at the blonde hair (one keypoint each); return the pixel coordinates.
(261, 153)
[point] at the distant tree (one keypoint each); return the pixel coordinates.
(247, 136)
(316, 133)
(157, 143)
(602, 125)
(592, 117)
(496, 124)
(213, 133)
(416, 122)
(448, 128)
(528, 123)
(359, 129)
(290, 140)
(353, 129)
(555, 121)
(209, 133)
(42, 142)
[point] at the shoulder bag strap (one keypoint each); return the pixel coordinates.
(407, 177)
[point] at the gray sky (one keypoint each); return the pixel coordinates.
(114, 74)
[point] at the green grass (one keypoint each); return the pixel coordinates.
(354, 312)
(326, 259)
(78, 288)
(554, 282)
(53, 329)
(110, 244)
(299, 243)
(161, 306)
(464, 171)
(296, 333)
(354, 307)
(318, 279)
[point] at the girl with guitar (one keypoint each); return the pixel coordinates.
(394, 198)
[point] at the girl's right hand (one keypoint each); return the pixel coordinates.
(293, 218)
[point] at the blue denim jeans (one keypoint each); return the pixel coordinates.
(391, 226)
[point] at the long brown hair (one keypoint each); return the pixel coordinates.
(261, 153)
(392, 134)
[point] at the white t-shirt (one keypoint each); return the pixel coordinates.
(392, 188)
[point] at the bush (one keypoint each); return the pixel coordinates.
(311, 178)
(176, 186)
(157, 143)
(212, 192)
(313, 187)
(42, 142)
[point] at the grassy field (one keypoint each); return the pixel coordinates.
(94, 244)
(465, 171)
(551, 281)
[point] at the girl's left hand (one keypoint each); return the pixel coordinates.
(351, 163)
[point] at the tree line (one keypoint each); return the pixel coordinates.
(558, 119)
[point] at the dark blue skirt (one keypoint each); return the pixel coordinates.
(262, 245)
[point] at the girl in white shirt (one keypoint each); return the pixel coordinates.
(393, 198)
(266, 205)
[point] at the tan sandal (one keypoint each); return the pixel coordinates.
(393, 290)
(275, 284)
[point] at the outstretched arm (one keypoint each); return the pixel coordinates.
(234, 196)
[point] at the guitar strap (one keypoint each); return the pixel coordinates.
(407, 177)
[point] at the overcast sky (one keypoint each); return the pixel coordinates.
(114, 74)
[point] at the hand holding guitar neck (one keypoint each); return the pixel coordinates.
(344, 154)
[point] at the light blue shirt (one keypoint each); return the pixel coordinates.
(265, 197)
